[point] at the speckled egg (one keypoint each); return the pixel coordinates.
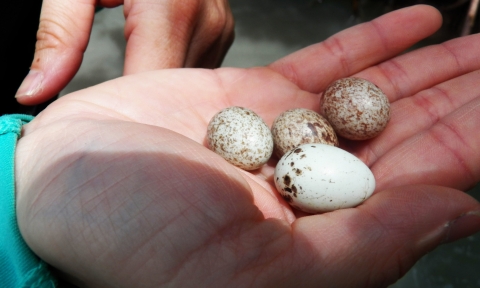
(356, 108)
(318, 178)
(300, 126)
(241, 137)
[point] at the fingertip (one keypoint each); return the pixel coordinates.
(44, 82)
(416, 22)
(33, 100)
(31, 85)
(431, 16)
(35, 90)
(465, 225)
(433, 12)
(62, 38)
(435, 15)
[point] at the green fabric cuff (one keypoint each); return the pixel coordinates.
(19, 266)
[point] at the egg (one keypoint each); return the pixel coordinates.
(300, 126)
(318, 178)
(356, 108)
(241, 137)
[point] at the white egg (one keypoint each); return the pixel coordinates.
(241, 137)
(319, 178)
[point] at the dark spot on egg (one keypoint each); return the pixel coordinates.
(312, 129)
(294, 190)
(286, 180)
(287, 198)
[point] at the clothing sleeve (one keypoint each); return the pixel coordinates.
(19, 266)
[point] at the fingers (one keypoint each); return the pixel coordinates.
(359, 47)
(62, 38)
(166, 34)
(213, 36)
(425, 86)
(161, 35)
(410, 73)
(446, 154)
(412, 115)
(432, 133)
(376, 243)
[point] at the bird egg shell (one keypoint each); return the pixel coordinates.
(241, 137)
(318, 178)
(356, 108)
(300, 126)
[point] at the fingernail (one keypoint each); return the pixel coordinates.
(31, 85)
(463, 226)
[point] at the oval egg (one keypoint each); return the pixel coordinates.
(318, 178)
(241, 137)
(356, 108)
(300, 126)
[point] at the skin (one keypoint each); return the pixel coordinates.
(160, 34)
(115, 187)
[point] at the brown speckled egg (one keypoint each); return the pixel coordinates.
(301, 126)
(241, 137)
(356, 108)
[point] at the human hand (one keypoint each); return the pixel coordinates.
(116, 188)
(160, 34)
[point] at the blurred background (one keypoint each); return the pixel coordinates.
(267, 30)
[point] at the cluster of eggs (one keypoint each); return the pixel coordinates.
(313, 174)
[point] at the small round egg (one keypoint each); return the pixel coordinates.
(300, 126)
(318, 178)
(241, 137)
(356, 108)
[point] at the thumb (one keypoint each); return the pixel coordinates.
(377, 242)
(62, 38)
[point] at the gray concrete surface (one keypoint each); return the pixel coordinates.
(266, 31)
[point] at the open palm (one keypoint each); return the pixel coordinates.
(115, 186)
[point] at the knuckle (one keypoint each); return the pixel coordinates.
(183, 14)
(217, 18)
(230, 26)
(50, 35)
(335, 47)
(187, 8)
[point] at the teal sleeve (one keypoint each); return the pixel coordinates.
(19, 266)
